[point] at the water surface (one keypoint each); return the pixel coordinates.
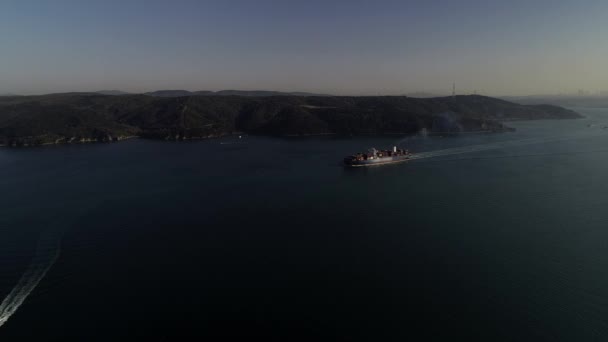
(273, 238)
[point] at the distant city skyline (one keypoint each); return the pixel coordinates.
(494, 48)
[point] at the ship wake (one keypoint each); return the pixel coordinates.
(493, 146)
(47, 252)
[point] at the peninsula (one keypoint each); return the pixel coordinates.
(86, 117)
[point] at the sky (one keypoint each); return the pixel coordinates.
(352, 47)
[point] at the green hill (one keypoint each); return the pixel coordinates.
(74, 117)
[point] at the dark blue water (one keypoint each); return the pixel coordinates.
(272, 238)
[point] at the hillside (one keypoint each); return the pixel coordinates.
(252, 93)
(563, 100)
(113, 92)
(73, 117)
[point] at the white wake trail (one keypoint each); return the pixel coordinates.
(47, 252)
(493, 146)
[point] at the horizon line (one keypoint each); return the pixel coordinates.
(427, 94)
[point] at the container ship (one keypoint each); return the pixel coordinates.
(376, 157)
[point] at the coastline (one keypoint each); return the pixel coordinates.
(177, 138)
(73, 141)
(83, 141)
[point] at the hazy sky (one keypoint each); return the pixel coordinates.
(342, 47)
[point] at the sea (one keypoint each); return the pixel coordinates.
(480, 237)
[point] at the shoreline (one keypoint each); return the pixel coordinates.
(84, 141)
(88, 141)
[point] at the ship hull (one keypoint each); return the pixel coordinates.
(376, 161)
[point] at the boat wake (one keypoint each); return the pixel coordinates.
(475, 148)
(47, 252)
(493, 146)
